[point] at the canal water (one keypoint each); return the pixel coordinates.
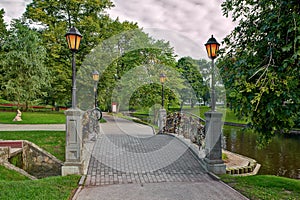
(280, 157)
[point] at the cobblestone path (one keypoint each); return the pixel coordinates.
(127, 153)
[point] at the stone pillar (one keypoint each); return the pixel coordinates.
(162, 119)
(213, 148)
(74, 161)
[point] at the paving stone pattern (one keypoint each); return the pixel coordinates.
(123, 159)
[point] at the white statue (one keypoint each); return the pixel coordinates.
(18, 117)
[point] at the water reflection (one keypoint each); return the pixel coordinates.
(281, 157)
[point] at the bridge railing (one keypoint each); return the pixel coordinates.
(189, 125)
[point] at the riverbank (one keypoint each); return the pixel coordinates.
(264, 186)
(279, 157)
(237, 164)
(293, 131)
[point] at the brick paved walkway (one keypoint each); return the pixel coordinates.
(134, 155)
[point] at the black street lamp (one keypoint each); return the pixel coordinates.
(213, 121)
(74, 159)
(73, 38)
(162, 79)
(212, 47)
(96, 79)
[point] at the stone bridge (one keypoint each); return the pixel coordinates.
(129, 161)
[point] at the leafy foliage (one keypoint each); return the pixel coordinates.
(124, 60)
(3, 33)
(3, 30)
(23, 64)
(260, 65)
(56, 18)
(191, 70)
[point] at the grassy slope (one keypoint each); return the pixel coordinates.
(265, 186)
(16, 186)
(48, 188)
(51, 141)
(34, 118)
(9, 175)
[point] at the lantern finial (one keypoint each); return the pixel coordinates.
(212, 47)
(73, 38)
(162, 78)
(95, 75)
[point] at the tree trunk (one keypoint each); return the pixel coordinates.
(26, 106)
(181, 105)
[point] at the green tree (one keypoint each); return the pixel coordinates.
(23, 64)
(191, 71)
(3, 32)
(3, 29)
(117, 58)
(260, 65)
(55, 18)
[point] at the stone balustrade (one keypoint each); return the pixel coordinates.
(188, 125)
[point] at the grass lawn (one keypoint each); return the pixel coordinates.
(56, 187)
(229, 117)
(51, 141)
(265, 186)
(34, 118)
(200, 110)
(10, 175)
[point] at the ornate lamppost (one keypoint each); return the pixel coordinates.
(162, 111)
(96, 112)
(212, 47)
(96, 79)
(73, 38)
(74, 160)
(162, 79)
(213, 124)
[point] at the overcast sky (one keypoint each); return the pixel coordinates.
(187, 24)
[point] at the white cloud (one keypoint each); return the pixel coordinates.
(187, 24)
(191, 22)
(13, 8)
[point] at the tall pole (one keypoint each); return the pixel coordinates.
(74, 162)
(213, 92)
(73, 81)
(95, 92)
(162, 96)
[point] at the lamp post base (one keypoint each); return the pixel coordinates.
(213, 148)
(74, 161)
(70, 168)
(162, 119)
(215, 167)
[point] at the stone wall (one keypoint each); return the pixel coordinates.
(38, 162)
(90, 126)
(4, 154)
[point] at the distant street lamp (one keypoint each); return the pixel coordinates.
(162, 79)
(96, 79)
(212, 47)
(73, 38)
(162, 111)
